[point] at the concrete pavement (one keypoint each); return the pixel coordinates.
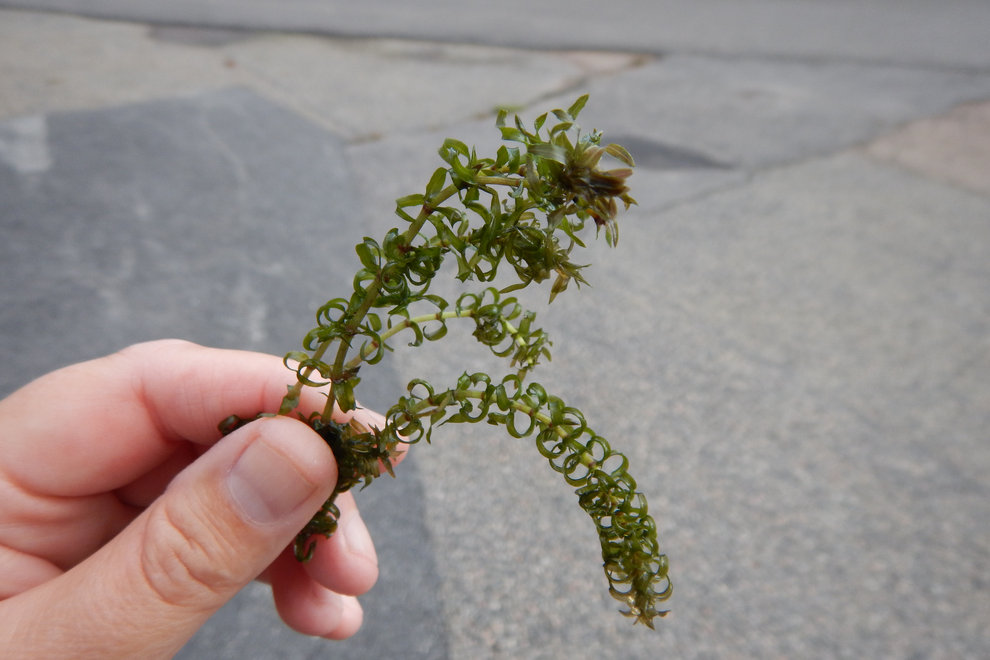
(790, 341)
(950, 33)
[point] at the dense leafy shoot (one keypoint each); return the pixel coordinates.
(525, 208)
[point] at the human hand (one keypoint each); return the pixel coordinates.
(126, 521)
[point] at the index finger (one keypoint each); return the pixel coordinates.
(98, 425)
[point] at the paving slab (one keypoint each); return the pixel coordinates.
(952, 147)
(924, 33)
(756, 113)
(790, 341)
(358, 88)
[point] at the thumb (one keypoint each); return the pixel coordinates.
(217, 526)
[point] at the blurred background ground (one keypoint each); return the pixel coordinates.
(791, 341)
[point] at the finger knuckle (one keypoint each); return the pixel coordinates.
(185, 560)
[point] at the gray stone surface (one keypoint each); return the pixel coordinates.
(789, 342)
(943, 33)
(943, 147)
(756, 113)
(128, 214)
(360, 89)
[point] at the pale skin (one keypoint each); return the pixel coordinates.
(126, 520)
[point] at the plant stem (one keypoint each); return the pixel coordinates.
(562, 430)
(370, 296)
(370, 347)
(367, 349)
(482, 180)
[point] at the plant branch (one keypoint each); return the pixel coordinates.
(556, 190)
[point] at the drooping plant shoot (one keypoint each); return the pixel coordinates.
(525, 209)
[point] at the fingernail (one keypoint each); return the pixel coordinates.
(265, 484)
(358, 539)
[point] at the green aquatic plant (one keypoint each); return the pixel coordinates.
(524, 211)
